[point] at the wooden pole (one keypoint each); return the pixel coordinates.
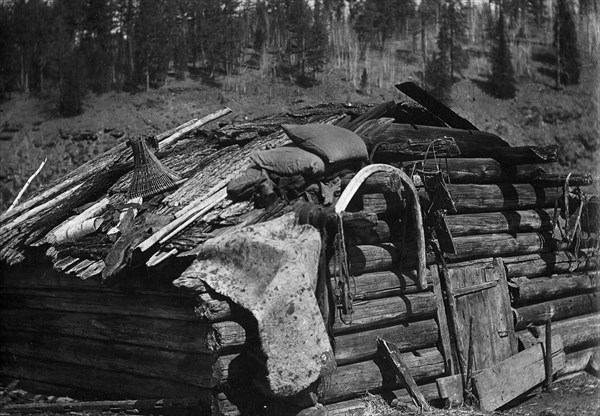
(392, 353)
(548, 355)
(22, 191)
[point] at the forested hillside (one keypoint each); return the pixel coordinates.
(68, 47)
(113, 68)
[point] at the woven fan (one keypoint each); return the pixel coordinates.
(150, 176)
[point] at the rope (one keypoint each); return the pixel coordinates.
(437, 171)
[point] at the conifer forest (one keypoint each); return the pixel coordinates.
(65, 56)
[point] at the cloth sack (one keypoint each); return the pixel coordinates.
(333, 144)
(289, 160)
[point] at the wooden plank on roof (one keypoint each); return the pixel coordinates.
(436, 107)
(516, 375)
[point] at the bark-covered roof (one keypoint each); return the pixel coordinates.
(204, 159)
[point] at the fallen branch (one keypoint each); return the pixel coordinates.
(201, 122)
(31, 178)
(112, 405)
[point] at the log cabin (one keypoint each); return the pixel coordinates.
(117, 312)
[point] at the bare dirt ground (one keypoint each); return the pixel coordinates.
(574, 396)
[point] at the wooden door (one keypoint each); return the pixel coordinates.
(479, 290)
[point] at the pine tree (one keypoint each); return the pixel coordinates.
(299, 21)
(565, 43)
(438, 72)
(153, 39)
(318, 41)
(437, 76)
(454, 19)
(502, 78)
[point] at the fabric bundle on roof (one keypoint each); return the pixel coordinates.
(334, 144)
(289, 160)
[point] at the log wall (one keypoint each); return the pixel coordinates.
(502, 211)
(136, 341)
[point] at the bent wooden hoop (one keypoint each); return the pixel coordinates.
(356, 183)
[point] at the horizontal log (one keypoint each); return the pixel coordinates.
(556, 310)
(395, 151)
(500, 222)
(214, 308)
(367, 228)
(520, 155)
(469, 198)
(384, 311)
(468, 141)
(377, 203)
(545, 264)
(376, 183)
(100, 302)
(384, 284)
(382, 257)
(26, 277)
(477, 170)
(104, 383)
(361, 346)
(353, 380)
(192, 368)
(554, 179)
(231, 335)
(170, 335)
(576, 333)
(499, 245)
(368, 258)
(577, 361)
(502, 197)
(527, 290)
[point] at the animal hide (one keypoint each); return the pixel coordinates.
(271, 270)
